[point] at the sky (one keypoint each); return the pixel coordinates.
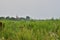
(36, 9)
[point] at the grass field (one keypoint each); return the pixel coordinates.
(30, 30)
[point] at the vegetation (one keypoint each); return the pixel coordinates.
(30, 30)
(17, 18)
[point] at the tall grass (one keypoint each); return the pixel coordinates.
(31, 30)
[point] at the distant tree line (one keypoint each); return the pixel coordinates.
(26, 18)
(17, 18)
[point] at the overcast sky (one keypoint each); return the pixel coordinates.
(34, 8)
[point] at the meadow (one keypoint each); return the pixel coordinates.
(30, 30)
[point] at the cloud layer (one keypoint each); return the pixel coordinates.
(34, 8)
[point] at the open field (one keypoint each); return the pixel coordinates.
(30, 30)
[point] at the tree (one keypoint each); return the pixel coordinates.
(12, 18)
(52, 18)
(21, 18)
(2, 17)
(27, 18)
(7, 17)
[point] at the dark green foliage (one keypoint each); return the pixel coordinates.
(22, 18)
(27, 18)
(2, 17)
(7, 17)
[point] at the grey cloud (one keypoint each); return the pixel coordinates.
(34, 8)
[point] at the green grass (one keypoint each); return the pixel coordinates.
(31, 30)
